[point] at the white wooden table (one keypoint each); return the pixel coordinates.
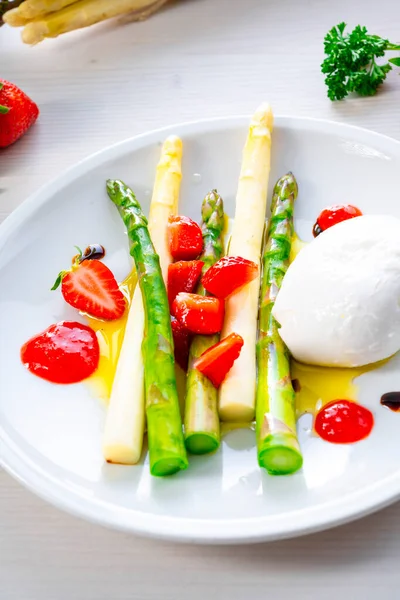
(199, 58)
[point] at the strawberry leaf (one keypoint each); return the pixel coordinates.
(59, 279)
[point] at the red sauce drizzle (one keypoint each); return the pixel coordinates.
(66, 352)
(343, 422)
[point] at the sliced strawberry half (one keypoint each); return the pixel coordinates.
(181, 343)
(228, 274)
(216, 362)
(185, 238)
(183, 277)
(199, 314)
(91, 287)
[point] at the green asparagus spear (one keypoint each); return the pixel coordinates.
(201, 414)
(277, 444)
(164, 425)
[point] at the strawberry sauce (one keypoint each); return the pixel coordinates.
(66, 352)
(343, 422)
(333, 215)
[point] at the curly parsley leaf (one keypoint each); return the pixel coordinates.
(350, 64)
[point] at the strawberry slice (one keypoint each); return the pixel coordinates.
(183, 277)
(216, 362)
(181, 343)
(185, 238)
(91, 287)
(228, 274)
(199, 314)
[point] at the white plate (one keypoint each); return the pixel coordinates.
(51, 435)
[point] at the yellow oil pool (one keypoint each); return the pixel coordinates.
(297, 246)
(110, 335)
(316, 386)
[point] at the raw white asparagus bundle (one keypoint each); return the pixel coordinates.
(50, 18)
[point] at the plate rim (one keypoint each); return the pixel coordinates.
(244, 530)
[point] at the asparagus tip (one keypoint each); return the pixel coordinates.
(287, 185)
(212, 210)
(114, 187)
(263, 117)
(13, 18)
(173, 140)
(34, 32)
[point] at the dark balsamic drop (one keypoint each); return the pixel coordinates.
(296, 385)
(94, 251)
(316, 229)
(391, 400)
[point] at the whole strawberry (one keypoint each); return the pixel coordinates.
(17, 113)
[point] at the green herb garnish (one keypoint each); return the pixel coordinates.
(351, 64)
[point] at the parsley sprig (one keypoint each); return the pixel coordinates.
(350, 65)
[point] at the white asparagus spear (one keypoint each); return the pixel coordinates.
(237, 392)
(14, 19)
(124, 427)
(82, 13)
(30, 9)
